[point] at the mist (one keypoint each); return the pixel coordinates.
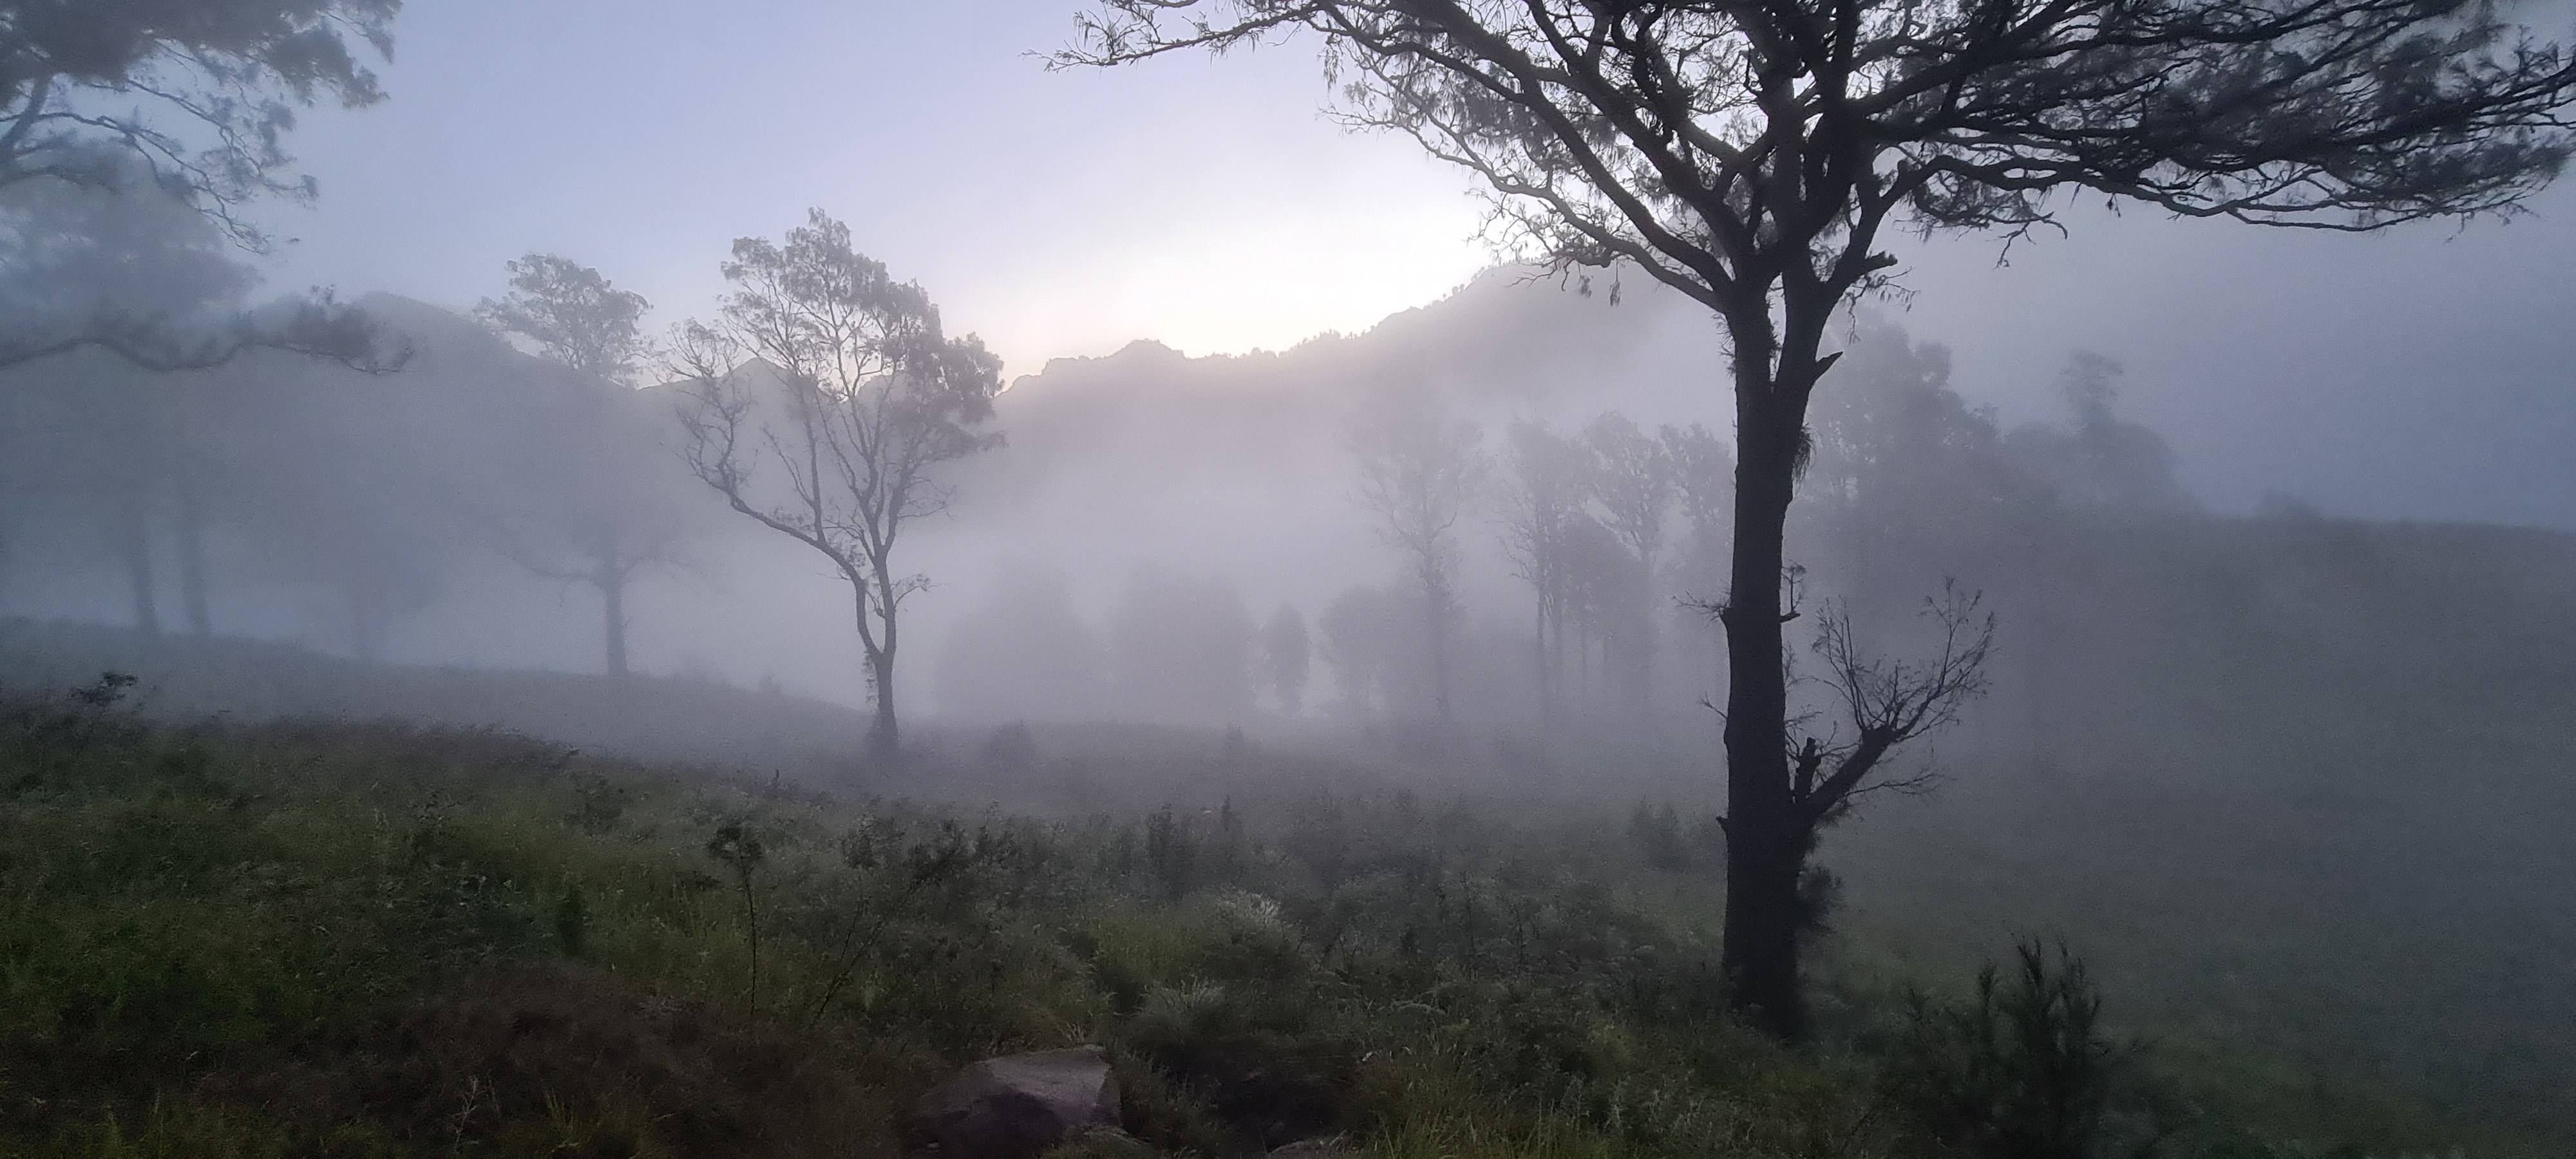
(887, 406)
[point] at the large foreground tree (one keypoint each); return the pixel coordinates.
(1751, 153)
(823, 404)
(201, 92)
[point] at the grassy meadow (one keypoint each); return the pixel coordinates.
(344, 939)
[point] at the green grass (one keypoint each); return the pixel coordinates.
(372, 940)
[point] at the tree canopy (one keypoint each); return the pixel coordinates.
(203, 91)
(1752, 153)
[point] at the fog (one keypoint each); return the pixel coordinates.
(725, 385)
(2407, 375)
(1251, 428)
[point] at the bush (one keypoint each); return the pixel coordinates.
(2023, 1071)
(1267, 1061)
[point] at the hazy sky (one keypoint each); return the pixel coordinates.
(1206, 204)
(1202, 202)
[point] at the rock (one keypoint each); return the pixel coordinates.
(1019, 1105)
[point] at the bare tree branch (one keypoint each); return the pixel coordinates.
(1889, 702)
(314, 326)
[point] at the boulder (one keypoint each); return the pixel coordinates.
(1019, 1105)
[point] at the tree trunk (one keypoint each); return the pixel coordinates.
(883, 742)
(1546, 696)
(192, 562)
(1440, 659)
(1764, 848)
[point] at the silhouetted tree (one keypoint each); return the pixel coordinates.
(2102, 460)
(1545, 485)
(835, 437)
(1286, 658)
(203, 93)
(1633, 482)
(1360, 630)
(193, 100)
(1905, 477)
(1418, 470)
(1704, 478)
(1607, 602)
(573, 315)
(1024, 652)
(598, 519)
(1749, 156)
(136, 446)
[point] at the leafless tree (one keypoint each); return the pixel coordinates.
(822, 404)
(1287, 657)
(1749, 154)
(1418, 471)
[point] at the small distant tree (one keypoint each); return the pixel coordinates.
(1546, 481)
(600, 520)
(376, 571)
(1357, 630)
(1632, 480)
(1633, 483)
(835, 436)
(132, 443)
(1704, 480)
(1418, 471)
(573, 315)
(1286, 657)
(2101, 460)
(1609, 606)
(1181, 648)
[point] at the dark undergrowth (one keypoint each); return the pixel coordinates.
(375, 940)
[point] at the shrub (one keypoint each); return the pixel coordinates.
(2022, 1071)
